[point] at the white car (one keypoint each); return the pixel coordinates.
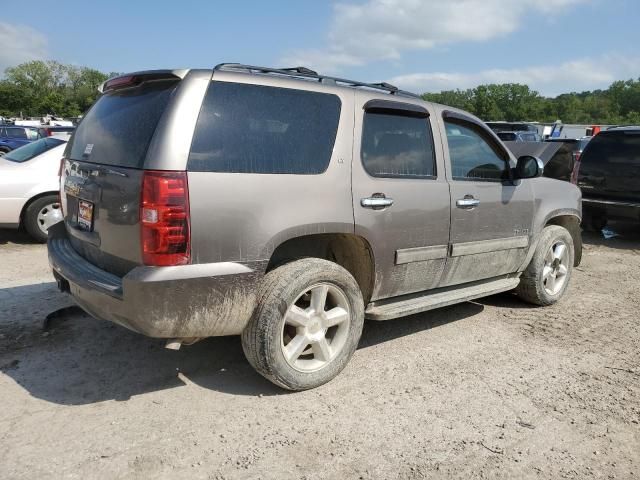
(29, 185)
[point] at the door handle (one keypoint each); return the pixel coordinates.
(468, 202)
(377, 201)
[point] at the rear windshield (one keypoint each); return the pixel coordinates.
(118, 128)
(257, 129)
(621, 148)
(33, 149)
(507, 136)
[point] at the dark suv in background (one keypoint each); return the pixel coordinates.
(609, 177)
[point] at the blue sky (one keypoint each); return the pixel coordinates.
(555, 46)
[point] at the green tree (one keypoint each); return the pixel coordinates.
(40, 88)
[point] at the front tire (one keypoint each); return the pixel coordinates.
(547, 276)
(306, 325)
(41, 214)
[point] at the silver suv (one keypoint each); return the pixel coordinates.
(287, 207)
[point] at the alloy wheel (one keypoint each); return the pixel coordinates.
(316, 327)
(554, 273)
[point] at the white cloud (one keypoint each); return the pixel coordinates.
(384, 29)
(19, 44)
(574, 75)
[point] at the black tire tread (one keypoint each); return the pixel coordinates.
(30, 219)
(256, 339)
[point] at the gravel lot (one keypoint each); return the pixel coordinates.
(493, 389)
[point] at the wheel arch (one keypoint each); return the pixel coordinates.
(350, 251)
(571, 223)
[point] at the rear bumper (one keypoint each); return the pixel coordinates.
(165, 302)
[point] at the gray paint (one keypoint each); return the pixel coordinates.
(418, 254)
(418, 218)
(170, 145)
(486, 246)
(420, 244)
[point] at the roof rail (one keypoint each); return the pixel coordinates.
(303, 72)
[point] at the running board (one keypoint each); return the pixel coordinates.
(421, 302)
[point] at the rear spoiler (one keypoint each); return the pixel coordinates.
(136, 78)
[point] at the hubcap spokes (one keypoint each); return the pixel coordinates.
(554, 272)
(315, 327)
(49, 215)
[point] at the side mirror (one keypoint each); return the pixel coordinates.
(528, 166)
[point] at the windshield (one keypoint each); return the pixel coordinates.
(619, 148)
(33, 149)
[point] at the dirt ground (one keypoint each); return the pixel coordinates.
(487, 389)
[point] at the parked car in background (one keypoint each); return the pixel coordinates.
(609, 177)
(48, 131)
(12, 137)
(519, 136)
(512, 126)
(285, 207)
(29, 184)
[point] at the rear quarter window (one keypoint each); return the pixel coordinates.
(246, 128)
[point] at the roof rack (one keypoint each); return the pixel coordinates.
(303, 72)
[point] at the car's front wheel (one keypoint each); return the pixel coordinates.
(306, 325)
(547, 276)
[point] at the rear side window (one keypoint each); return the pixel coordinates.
(257, 129)
(118, 128)
(397, 146)
(621, 148)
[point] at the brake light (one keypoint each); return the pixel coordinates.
(120, 82)
(164, 218)
(576, 168)
(60, 186)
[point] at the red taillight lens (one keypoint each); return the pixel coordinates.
(60, 186)
(164, 218)
(120, 82)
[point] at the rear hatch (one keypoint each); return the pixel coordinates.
(102, 171)
(610, 166)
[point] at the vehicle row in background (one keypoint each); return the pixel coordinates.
(13, 136)
(606, 167)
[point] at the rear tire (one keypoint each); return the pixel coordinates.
(40, 214)
(4, 151)
(306, 325)
(548, 274)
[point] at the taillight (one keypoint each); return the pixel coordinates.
(164, 218)
(60, 186)
(576, 168)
